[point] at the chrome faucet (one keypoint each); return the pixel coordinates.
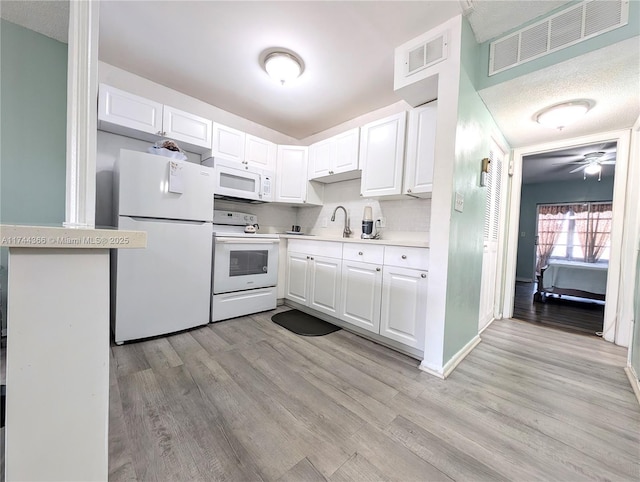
(347, 230)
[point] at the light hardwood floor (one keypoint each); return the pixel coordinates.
(246, 400)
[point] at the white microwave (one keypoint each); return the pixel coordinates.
(240, 181)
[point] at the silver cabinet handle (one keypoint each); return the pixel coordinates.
(308, 257)
(360, 253)
(408, 190)
(377, 269)
(311, 258)
(423, 275)
(404, 256)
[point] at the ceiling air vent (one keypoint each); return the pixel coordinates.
(567, 27)
(425, 54)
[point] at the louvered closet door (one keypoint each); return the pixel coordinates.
(492, 232)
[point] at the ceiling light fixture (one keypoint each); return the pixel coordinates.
(593, 168)
(283, 66)
(559, 116)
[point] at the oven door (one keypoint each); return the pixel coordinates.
(243, 263)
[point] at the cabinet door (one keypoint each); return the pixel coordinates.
(361, 294)
(120, 108)
(421, 139)
(228, 143)
(382, 156)
(321, 158)
(291, 184)
(347, 147)
(260, 152)
(297, 277)
(184, 127)
(325, 284)
(404, 306)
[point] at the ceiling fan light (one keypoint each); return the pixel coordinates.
(282, 67)
(561, 115)
(593, 168)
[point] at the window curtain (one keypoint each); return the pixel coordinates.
(594, 229)
(550, 221)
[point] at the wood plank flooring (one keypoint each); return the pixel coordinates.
(567, 313)
(246, 400)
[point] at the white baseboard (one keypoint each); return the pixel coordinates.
(633, 379)
(486, 326)
(454, 361)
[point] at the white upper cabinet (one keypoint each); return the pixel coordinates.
(235, 145)
(184, 127)
(382, 156)
(335, 159)
(128, 114)
(321, 158)
(421, 138)
(292, 185)
(228, 143)
(260, 152)
(347, 151)
(128, 111)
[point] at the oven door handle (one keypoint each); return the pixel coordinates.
(246, 241)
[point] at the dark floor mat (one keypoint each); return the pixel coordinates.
(303, 324)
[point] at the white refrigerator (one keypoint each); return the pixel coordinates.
(167, 286)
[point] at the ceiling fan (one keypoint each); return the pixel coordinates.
(591, 162)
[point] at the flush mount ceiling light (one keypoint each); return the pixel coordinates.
(561, 115)
(283, 66)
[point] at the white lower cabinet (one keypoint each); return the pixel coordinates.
(361, 294)
(324, 293)
(404, 305)
(297, 277)
(380, 289)
(312, 280)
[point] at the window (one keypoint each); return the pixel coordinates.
(574, 232)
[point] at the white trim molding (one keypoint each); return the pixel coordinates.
(454, 361)
(615, 329)
(82, 88)
(633, 380)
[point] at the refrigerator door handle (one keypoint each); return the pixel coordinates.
(161, 220)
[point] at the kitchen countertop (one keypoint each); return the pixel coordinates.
(23, 236)
(382, 242)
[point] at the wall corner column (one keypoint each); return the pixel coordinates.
(82, 85)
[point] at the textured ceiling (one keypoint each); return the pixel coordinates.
(210, 50)
(610, 77)
(50, 18)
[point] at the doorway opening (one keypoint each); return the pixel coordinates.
(564, 237)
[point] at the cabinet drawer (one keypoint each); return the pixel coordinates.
(366, 253)
(405, 257)
(320, 248)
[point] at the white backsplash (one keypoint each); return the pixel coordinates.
(272, 218)
(407, 220)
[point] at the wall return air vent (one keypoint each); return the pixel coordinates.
(425, 54)
(567, 27)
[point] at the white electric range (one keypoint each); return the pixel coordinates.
(244, 268)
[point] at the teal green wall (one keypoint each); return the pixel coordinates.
(33, 126)
(580, 190)
(632, 29)
(473, 136)
(33, 104)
